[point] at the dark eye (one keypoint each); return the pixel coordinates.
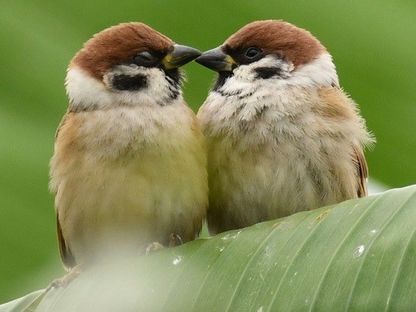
(252, 53)
(146, 59)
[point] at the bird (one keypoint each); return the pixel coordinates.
(129, 162)
(282, 135)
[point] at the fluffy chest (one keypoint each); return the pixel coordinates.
(253, 116)
(271, 149)
(115, 149)
(125, 132)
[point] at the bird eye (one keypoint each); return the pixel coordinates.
(252, 53)
(146, 59)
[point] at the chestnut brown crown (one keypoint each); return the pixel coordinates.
(261, 38)
(278, 37)
(117, 44)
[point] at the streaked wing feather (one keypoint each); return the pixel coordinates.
(362, 172)
(66, 254)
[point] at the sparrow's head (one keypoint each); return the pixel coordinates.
(271, 49)
(127, 64)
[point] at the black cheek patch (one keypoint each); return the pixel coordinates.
(222, 78)
(174, 79)
(268, 72)
(129, 83)
(175, 75)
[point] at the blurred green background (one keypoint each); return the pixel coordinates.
(373, 43)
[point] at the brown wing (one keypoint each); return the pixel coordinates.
(338, 106)
(362, 171)
(66, 255)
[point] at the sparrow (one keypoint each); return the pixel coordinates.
(129, 162)
(282, 135)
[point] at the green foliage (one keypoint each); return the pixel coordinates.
(372, 43)
(356, 256)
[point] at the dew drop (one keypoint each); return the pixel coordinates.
(233, 235)
(177, 260)
(358, 252)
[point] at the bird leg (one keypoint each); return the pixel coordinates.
(175, 240)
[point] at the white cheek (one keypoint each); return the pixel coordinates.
(317, 73)
(248, 73)
(156, 91)
(86, 92)
(82, 88)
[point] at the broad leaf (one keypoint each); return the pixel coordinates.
(358, 255)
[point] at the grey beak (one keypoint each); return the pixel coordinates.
(180, 55)
(217, 60)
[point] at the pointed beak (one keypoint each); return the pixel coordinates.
(180, 55)
(217, 60)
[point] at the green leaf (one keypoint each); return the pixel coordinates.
(27, 303)
(358, 255)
